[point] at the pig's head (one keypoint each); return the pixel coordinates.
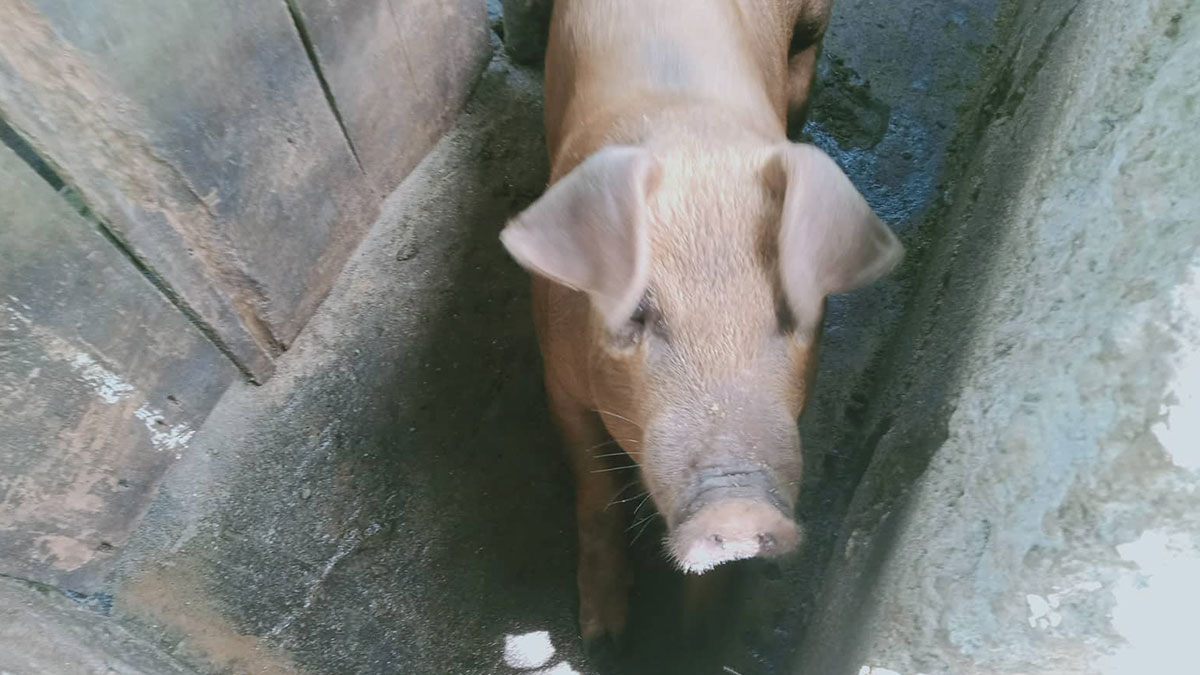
(707, 273)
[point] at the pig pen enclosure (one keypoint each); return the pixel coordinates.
(270, 399)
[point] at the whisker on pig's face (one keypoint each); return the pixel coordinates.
(641, 495)
(613, 469)
(622, 453)
(620, 417)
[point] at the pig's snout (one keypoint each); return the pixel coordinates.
(732, 522)
(732, 529)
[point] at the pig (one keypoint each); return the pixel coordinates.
(681, 258)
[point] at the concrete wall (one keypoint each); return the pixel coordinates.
(1032, 503)
(393, 500)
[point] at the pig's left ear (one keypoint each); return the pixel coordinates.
(830, 241)
(588, 231)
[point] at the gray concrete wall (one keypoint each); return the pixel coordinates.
(44, 633)
(1032, 503)
(392, 501)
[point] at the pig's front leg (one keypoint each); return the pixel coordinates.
(603, 575)
(704, 598)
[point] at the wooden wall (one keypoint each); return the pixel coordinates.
(180, 183)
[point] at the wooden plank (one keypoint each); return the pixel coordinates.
(102, 383)
(201, 134)
(399, 71)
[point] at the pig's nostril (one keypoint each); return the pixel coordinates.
(766, 541)
(718, 540)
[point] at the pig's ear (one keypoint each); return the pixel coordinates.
(830, 241)
(588, 231)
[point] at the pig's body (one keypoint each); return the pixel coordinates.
(627, 72)
(681, 259)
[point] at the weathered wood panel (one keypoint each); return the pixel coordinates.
(102, 383)
(399, 70)
(200, 133)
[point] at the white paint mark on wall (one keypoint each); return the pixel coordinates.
(1179, 430)
(108, 385)
(1156, 605)
(529, 650)
(163, 436)
(1043, 610)
(104, 383)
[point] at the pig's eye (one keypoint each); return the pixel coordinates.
(645, 319)
(639, 314)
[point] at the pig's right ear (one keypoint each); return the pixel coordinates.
(588, 231)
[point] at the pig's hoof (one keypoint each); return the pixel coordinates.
(605, 646)
(604, 619)
(603, 608)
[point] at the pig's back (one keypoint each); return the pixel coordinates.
(610, 56)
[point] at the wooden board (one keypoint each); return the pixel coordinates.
(399, 71)
(102, 384)
(200, 133)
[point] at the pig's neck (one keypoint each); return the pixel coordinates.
(660, 72)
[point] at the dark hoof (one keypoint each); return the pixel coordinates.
(606, 648)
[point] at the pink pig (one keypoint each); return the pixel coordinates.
(681, 260)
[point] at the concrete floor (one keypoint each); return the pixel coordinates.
(393, 500)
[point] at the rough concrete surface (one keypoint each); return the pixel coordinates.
(1032, 502)
(997, 479)
(43, 632)
(526, 25)
(393, 499)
